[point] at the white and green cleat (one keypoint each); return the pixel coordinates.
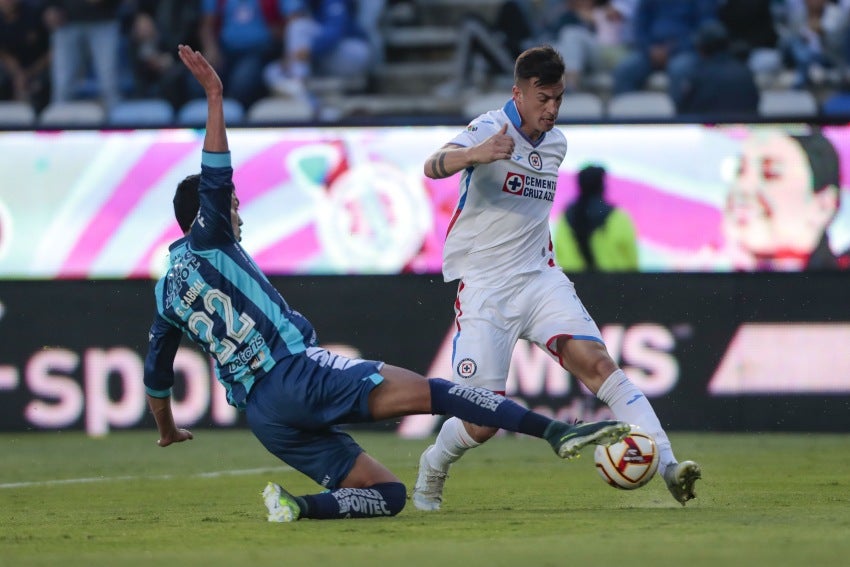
(568, 440)
(281, 505)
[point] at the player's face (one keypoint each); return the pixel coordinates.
(538, 106)
(771, 208)
(235, 219)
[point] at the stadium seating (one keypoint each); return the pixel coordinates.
(837, 105)
(77, 113)
(480, 104)
(581, 106)
(141, 113)
(787, 103)
(276, 110)
(194, 113)
(641, 105)
(14, 114)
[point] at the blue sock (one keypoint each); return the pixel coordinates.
(384, 499)
(483, 407)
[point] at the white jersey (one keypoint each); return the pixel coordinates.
(501, 225)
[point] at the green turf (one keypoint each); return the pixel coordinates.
(765, 500)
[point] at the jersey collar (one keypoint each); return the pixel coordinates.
(512, 113)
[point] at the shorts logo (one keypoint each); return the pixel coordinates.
(535, 161)
(467, 368)
(514, 183)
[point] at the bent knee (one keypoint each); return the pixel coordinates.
(395, 496)
(479, 433)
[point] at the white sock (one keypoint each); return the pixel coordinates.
(452, 442)
(630, 405)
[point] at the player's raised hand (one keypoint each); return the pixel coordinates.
(498, 146)
(201, 69)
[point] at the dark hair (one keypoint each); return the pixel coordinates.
(543, 63)
(712, 38)
(187, 202)
(591, 181)
(823, 160)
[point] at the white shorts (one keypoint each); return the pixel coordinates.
(539, 308)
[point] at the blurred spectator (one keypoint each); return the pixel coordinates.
(664, 32)
(369, 14)
(593, 234)
(157, 28)
(83, 30)
(594, 36)
(753, 35)
(323, 38)
(721, 84)
(24, 53)
(485, 48)
(239, 38)
(817, 39)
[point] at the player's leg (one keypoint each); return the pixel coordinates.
(294, 420)
(367, 489)
(481, 357)
(591, 363)
(577, 343)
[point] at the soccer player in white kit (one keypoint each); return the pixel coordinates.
(499, 248)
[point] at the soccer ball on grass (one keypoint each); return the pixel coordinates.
(630, 463)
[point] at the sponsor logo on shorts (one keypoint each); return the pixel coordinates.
(467, 368)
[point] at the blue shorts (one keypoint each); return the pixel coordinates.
(295, 408)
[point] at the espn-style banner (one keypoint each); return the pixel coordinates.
(720, 352)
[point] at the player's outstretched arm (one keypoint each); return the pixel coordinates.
(215, 139)
(452, 158)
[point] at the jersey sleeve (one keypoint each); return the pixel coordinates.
(163, 342)
(477, 131)
(213, 227)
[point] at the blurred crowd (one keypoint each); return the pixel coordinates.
(61, 50)
(714, 55)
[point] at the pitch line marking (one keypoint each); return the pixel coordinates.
(214, 474)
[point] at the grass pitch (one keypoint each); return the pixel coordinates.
(765, 499)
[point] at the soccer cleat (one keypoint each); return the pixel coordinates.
(428, 491)
(281, 505)
(568, 440)
(680, 479)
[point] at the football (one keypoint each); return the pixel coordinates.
(630, 463)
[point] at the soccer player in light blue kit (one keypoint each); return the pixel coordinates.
(295, 393)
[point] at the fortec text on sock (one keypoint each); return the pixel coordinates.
(478, 396)
(363, 500)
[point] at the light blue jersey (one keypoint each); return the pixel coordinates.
(217, 295)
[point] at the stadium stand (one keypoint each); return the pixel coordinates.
(837, 104)
(194, 113)
(787, 103)
(16, 114)
(275, 110)
(419, 40)
(75, 113)
(581, 106)
(640, 105)
(141, 112)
